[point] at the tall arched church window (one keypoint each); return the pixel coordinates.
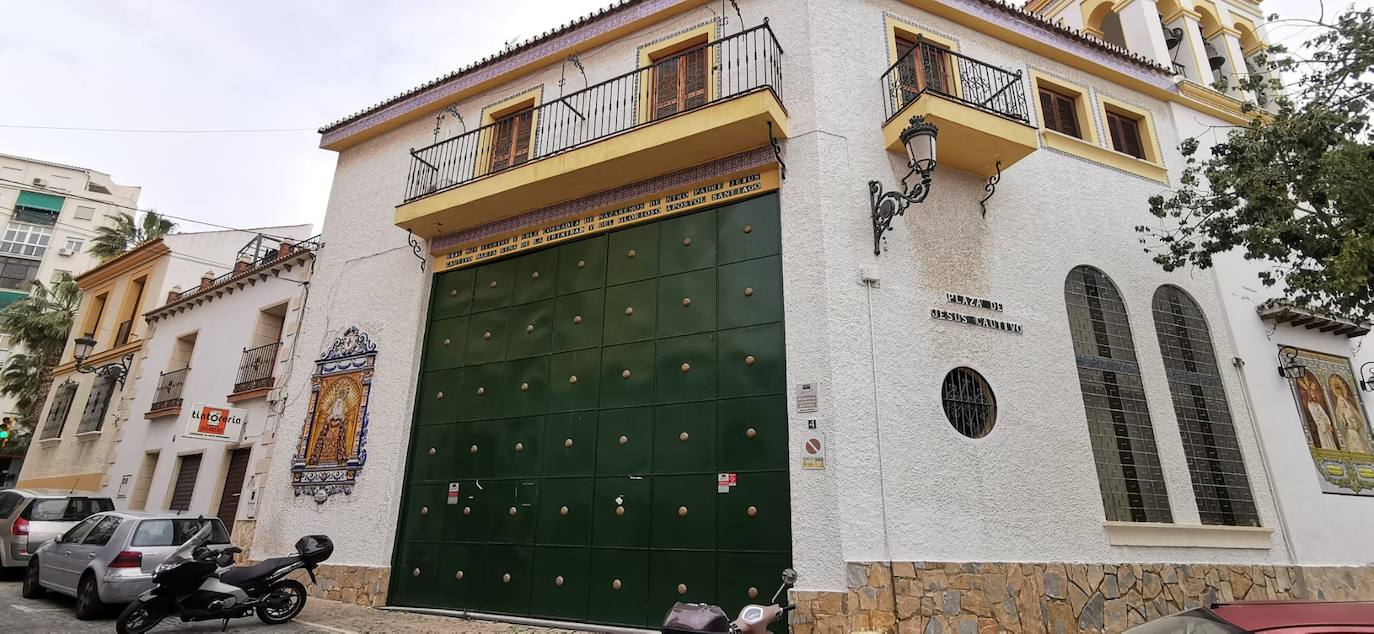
(1123, 440)
(1220, 484)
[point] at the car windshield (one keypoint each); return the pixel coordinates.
(170, 532)
(187, 550)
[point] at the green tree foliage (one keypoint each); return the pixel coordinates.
(38, 325)
(125, 234)
(1295, 188)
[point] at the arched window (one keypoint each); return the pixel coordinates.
(1204, 419)
(1123, 439)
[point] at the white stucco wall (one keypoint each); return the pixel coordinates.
(223, 327)
(1027, 492)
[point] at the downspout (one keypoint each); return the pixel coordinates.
(1239, 364)
(870, 283)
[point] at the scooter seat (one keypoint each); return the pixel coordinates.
(245, 575)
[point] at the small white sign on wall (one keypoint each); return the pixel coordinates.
(212, 422)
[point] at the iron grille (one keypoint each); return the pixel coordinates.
(168, 393)
(93, 417)
(969, 402)
(57, 412)
(740, 63)
(1123, 440)
(261, 256)
(927, 68)
(1220, 483)
(255, 368)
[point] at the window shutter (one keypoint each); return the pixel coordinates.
(694, 78)
(1114, 130)
(1068, 118)
(523, 137)
(1130, 133)
(186, 483)
(1048, 114)
(501, 144)
(908, 79)
(666, 87)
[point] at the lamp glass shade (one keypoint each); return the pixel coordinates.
(83, 347)
(921, 148)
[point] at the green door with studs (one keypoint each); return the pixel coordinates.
(601, 427)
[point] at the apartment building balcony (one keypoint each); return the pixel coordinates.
(255, 372)
(981, 109)
(167, 397)
(711, 100)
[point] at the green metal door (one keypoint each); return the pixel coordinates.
(577, 410)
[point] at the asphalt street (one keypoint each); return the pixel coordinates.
(54, 613)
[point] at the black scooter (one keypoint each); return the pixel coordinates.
(200, 584)
(701, 618)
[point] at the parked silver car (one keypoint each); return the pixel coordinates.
(31, 517)
(110, 557)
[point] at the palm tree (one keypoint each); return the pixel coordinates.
(113, 241)
(39, 325)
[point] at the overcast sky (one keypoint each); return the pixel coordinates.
(247, 65)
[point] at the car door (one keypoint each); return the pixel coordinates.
(58, 568)
(94, 542)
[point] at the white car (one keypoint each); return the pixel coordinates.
(110, 557)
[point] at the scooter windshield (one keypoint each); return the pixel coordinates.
(186, 552)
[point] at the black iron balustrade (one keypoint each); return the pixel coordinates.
(734, 65)
(261, 257)
(255, 368)
(168, 394)
(934, 69)
(124, 333)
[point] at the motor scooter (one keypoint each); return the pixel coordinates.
(197, 583)
(702, 618)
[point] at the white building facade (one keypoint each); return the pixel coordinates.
(975, 414)
(202, 427)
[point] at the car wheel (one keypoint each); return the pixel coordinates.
(88, 604)
(31, 588)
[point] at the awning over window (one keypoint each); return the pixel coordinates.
(46, 202)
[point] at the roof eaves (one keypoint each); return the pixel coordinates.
(1066, 31)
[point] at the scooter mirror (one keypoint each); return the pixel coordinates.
(789, 576)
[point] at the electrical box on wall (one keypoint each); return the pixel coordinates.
(250, 510)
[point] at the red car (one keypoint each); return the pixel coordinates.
(1288, 617)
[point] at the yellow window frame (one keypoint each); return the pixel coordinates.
(897, 28)
(1149, 140)
(494, 112)
(650, 54)
(1087, 123)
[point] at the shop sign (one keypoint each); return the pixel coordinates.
(215, 423)
(664, 204)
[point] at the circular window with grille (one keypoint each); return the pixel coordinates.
(969, 404)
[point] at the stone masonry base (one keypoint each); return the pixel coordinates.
(984, 598)
(363, 585)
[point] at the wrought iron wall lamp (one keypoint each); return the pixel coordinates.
(1367, 376)
(1289, 366)
(919, 139)
(112, 371)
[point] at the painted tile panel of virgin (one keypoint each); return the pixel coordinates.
(1334, 421)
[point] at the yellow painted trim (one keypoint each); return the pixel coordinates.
(76, 482)
(691, 138)
(895, 26)
(1145, 121)
(1090, 7)
(648, 54)
(1121, 4)
(1222, 106)
(970, 140)
(510, 105)
(1086, 121)
(1098, 154)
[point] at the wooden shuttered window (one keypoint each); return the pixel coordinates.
(1125, 133)
(680, 82)
(926, 68)
(511, 138)
(1059, 112)
(185, 486)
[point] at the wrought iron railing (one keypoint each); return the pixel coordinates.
(255, 368)
(126, 330)
(930, 68)
(263, 257)
(733, 65)
(168, 394)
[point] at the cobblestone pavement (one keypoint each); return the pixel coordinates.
(54, 613)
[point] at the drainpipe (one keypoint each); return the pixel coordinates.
(870, 282)
(1239, 364)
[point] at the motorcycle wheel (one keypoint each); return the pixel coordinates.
(141, 616)
(291, 594)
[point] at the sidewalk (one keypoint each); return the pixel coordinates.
(333, 616)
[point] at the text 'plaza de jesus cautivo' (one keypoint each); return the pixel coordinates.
(665, 300)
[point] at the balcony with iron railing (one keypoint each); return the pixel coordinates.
(167, 396)
(981, 109)
(612, 133)
(252, 258)
(255, 372)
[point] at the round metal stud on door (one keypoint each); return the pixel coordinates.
(529, 328)
(446, 342)
(524, 387)
(686, 367)
(748, 292)
(567, 443)
(513, 511)
(619, 511)
(534, 275)
(472, 449)
(686, 301)
(433, 451)
(415, 572)
(624, 374)
(424, 510)
(505, 578)
(558, 581)
(752, 511)
(749, 360)
(481, 391)
(458, 575)
(563, 510)
(615, 585)
(467, 510)
(750, 433)
(630, 254)
(624, 440)
(581, 264)
(748, 228)
(493, 283)
(753, 592)
(519, 446)
(439, 396)
(683, 436)
(682, 588)
(629, 311)
(682, 511)
(577, 319)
